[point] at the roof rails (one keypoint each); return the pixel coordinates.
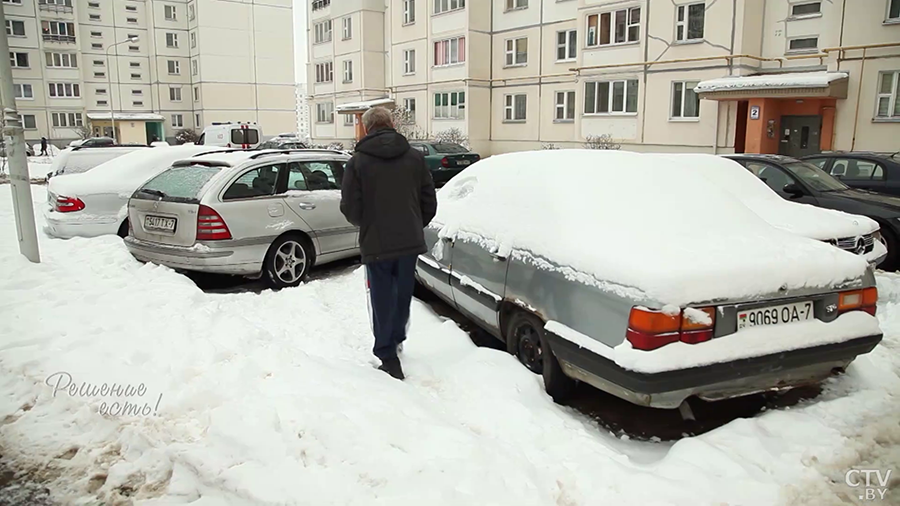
(79, 148)
(207, 163)
(215, 151)
(233, 122)
(289, 151)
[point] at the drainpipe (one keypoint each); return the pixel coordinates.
(862, 68)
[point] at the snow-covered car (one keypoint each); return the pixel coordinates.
(82, 159)
(645, 279)
(93, 203)
(251, 213)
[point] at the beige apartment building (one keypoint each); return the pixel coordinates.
(161, 66)
(524, 74)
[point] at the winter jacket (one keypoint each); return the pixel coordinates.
(387, 191)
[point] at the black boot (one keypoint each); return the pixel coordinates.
(392, 367)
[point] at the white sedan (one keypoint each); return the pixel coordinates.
(95, 202)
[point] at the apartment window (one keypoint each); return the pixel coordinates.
(616, 27)
(134, 49)
(888, 95)
(195, 67)
(98, 63)
(178, 121)
(169, 11)
(450, 51)
(64, 90)
(175, 94)
(409, 61)
(99, 75)
(137, 92)
(134, 64)
(171, 40)
(62, 60)
(893, 10)
(131, 8)
(322, 32)
(516, 4)
(18, 60)
(97, 35)
(685, 103)
(15, 28)
(196, 93)
(101, 103)
(101, 91)
(442, 6)
(611, 97)
(565, 105)
(566, 45)
(52, 30)
(94, 17)
(191, 12)
(409, 12)
(347, 28)
(806, 9)
(135, 76)
(450, 105)
(96, 45)
(138, 103)
(174, 67)
(324, 72)
(803, 44)
(689, 20)
(197, 120)
(131, 20)
(93, 5)
(514, 107)
(348, 71)
(325, 112)
(28, 121)
(66, 119)
(517, 51)
(349, 119)
(24, 91)
(320, 4)
(14, 2)
(409, 105)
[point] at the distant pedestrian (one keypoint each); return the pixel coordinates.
(388, 192)
(44, 146)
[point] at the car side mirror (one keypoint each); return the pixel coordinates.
(793, 190)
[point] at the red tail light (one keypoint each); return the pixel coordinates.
(68, 204)
(211, 226)
(864, 299)
(649, 329)
(445, 162)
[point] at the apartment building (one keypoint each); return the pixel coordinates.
(525, 74)
(158, 66)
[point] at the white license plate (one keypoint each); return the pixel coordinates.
(463, 162)
(775, 315)
(159, 223)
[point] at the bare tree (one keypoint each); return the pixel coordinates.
(186, 135)
(453, 135)
(84, 131)
(549, 145)
(604, 141)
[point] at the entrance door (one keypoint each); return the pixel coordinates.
(800, 135)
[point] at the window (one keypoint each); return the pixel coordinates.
(64, 90)
(409, 61)
(24, 91)
(348, 71)
(409, 12)
(324, 72)
(66, 119)
(442, 6)
(803, 44)
(611, 97)
(347, 28)
(196, 93)
(171, 40)
(258, 182)
(514, 107)
(617, 27)
(320, 4)
(325, 112)
(101, 91)
(685, 103)
(773, 176)
(18, 60)
(888, 95)
(195, 67)
(852, 168)
(191, 13)
(138, 103)
(565, 105)
(131, 20)
(450, 105)
(134, 64)
(93, 5)
(566, 43)
(197, 120)
(174, 67)
(62, 60)
(516, 4)
(137, 92)
(409, 105)
(134, 49)
(450, 52)
(193, 39)
(893, 10)
(175, 94)
(100, 75)
(348, 119)
(135, 76)
(689, 22)
(55, 30)
(170, 13)
(517, 51)
(16, 28)
(15, 2)
(322, 32)
(96, 45)
(178, 120)
(131, 8)
(102, 102)
(97, 35)
(806, 9)
(94, 17)
(98, 63)
(313, 176)
(28, 121)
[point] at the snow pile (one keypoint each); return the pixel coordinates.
(771, 81)
(630, 224)
(83, 160)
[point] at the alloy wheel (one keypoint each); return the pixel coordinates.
(290, 262)
(529, 349)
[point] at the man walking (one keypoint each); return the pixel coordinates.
(388, 192)
(44, 146)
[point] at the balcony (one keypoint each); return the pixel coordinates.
(320, 4)
(63, 39)
(57, 7)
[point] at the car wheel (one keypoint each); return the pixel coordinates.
(523, 339)
(559, 386)
(288, 261)
(890, 261)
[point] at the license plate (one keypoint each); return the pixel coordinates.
(159, 223)
(464, 162)
(775, 315)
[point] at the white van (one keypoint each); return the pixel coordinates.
(231, 135)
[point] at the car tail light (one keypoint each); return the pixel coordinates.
(864, 299)
(649, 329)
(211, 226)
(445, 162)
(68, 204)
(693, 331)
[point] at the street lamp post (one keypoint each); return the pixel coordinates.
(112, 113)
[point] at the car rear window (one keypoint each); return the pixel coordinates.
(449, 149)
(245, 136)
(179, 183)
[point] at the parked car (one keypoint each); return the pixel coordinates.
(445, 159)
(82, 159)
(283, 143)
(29, 150)
(644, 280)
(94, 142)
(800, 181)
(95, 203)
(249, 213)
(231, 135)
(879, 172)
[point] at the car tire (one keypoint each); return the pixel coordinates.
(890, 261)
(558, 386)
(524, 336)
(288, 261)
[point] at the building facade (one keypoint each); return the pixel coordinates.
(526, 74)
(161, 66)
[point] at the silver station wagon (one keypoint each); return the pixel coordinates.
(267, 213)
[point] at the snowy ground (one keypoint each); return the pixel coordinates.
(272, 398)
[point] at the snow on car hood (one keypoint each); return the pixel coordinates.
(626, 222)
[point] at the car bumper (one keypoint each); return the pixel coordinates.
(67, 226)
(220, 258)
(878, 254)
(718, 381)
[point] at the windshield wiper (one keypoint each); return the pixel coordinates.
(158, 193)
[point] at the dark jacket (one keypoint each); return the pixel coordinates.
(387, 191)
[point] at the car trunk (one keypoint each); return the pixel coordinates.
(164, 222)
(459, 161)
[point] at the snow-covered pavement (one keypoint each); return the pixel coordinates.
(272, 398)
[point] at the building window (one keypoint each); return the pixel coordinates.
(450, 51)
(101, 103)
(409, 61)
(347, 28)
(348, 71)
(174, 67)
(96, 45)
(28, 121)
(409, 106)
(137, 92)
(442, 6)
(197, 120)
(685, 103)
(66, 119)
(450, 105)
(131, 20)
(409, 12)
(63, 60)
(516, 4)
(893, 10)
(178, 121)
(171, 39)
(100, 75)
(320, 4)
(325, 112)
(193, 39)
(322, 32)
(16, 28)
(135, 76)
(514, 107)
(169, 11)
(94, 17)
(324, 72)
(565, 105)
(689, 20)
(175, 94)
(349, 119)
(98, 63)
(566, 45)
(806, 9)
(14, 2)
(517, 51)
(51, 30)
(93, 5)
(134, 64)
(611, 97)
(191, 12)
(617, 27)
(138, 103)
(131, 8)
(101, 91)
(195, 67)
(134, 49)
(803, 44)
(97, 35)
(64, 90)
(888, 95)
(24, 91)
(18, 60)
(196, 93)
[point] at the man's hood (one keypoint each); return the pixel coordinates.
(385, 144)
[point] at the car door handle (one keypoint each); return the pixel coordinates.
(306, 205)
(497, 257)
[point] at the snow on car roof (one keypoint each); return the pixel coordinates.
(631, 225)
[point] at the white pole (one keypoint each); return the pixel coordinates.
(14, 135)
(112, 114)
